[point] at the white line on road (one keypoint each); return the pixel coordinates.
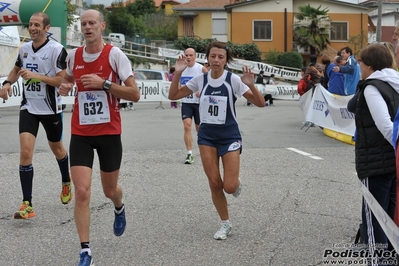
(305, 154)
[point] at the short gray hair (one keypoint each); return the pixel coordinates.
(397, 24)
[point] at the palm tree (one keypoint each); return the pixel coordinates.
(311, 28)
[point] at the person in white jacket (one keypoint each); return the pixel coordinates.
(375, 105)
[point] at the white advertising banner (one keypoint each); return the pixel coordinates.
(237, 64)
(150, 91)
(329, 111)
(154, 91)
(15, 98)
(279, 92)
(9, 36)
(304, 102)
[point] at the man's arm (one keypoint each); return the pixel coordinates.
(54, 81)
(176, 91)
(129, 91)
(12, 78)
(66, 85)
(349, 68)
(13, 75)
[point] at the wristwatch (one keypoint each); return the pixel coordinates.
(5, 82)
(107, 85)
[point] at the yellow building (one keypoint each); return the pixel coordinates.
(267, 23)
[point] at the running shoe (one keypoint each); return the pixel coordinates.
(25, 212)
(238, 191)
(86, 259)
(223, 231)
(66, 193)
(120, 223)
(189, 159)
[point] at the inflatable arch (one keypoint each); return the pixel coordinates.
(18, 12)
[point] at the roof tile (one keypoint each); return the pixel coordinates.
(194, 4)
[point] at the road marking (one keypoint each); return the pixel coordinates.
(305, 154)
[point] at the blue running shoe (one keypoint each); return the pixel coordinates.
(86, 259)
(120, 223)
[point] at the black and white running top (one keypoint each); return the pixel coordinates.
(49, 59)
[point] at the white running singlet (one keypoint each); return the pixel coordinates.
(188, 74)
(38, 97)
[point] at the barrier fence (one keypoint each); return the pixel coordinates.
(328, 110)
(154, 91)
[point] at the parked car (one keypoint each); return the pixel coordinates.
(152, 74)
(117, 39)
(139, 76)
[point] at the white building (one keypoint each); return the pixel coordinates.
(389, 15)
(74, 36)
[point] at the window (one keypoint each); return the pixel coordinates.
(219, 26)
(262, 30)
(339, 31)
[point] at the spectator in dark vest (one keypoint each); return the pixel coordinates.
(350, 70)
(375, 105)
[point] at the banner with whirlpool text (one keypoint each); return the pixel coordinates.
(238, 64)
(154, 91)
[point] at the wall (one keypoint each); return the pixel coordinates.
(356, 24)
(203, 25)
(242, 22)
(242, 30)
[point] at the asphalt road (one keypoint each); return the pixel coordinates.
(292, 207)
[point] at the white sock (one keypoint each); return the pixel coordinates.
(226, 221)
(190, 152)
(120, 211)
(88, 250)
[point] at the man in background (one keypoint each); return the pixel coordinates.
(190, 104)
(351, 71)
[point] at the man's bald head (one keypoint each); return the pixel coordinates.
(191, 55)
